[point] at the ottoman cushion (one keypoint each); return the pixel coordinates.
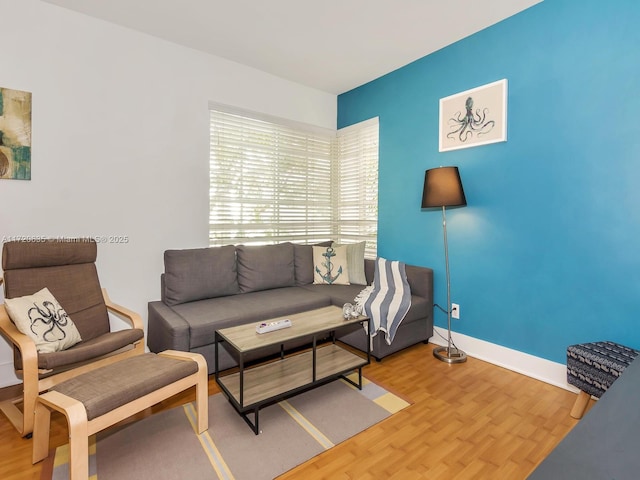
(593, 367)
(112, 386)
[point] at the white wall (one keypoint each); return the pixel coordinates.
(120, 139)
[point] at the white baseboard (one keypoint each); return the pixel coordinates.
(520, 362)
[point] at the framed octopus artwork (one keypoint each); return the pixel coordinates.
(474, 117)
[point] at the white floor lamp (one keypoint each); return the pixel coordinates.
(443, 188)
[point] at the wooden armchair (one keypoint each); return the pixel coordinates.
(67, 268)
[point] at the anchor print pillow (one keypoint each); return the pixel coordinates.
(330, 266)
(41, 317)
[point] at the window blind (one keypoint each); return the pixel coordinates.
(356, 173)
(272, 182)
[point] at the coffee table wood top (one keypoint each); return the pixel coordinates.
(244, 338)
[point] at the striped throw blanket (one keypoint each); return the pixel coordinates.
(387, 300)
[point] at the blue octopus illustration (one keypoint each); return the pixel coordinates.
(328, 277)
(54, 319)
(465, 125)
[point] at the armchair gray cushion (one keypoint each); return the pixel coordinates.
(68, 270)
(85, 351)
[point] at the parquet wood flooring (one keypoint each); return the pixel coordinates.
(467, 421)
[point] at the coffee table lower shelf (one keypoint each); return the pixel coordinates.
(250, 389)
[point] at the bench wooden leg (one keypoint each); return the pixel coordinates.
(580, 405)
(41, 436)
(202, 385)
(202, 399)
(76, 416)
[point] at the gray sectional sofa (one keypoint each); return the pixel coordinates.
(206, 289)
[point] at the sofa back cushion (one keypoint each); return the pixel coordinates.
(265, 267)
(199, 273)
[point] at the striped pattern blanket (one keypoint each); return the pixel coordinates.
(387, 301)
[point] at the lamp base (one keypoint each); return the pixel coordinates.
(449, 355)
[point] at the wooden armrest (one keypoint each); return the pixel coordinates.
(133, 318)
(191, 356)
(24, 343)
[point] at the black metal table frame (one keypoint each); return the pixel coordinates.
(255, 408)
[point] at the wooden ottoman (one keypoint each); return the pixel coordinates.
(593, 367)
(98, 399)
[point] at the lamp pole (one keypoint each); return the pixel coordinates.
(448, 354)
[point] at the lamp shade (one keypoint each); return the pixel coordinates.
(443, 188)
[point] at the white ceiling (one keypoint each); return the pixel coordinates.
(330, 45)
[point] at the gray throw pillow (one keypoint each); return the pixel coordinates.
(355, 261)
(265, 267)
(199, 273)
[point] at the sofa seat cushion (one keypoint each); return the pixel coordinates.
(341, 294)
(206, 316)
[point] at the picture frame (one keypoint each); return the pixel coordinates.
(15, 134)
(474, 117)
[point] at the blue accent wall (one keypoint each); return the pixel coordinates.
(547, 252)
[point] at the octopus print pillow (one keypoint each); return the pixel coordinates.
(330, 265)
(41, 317)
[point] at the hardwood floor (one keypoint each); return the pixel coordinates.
(466, 421)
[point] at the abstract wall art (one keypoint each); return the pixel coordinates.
(15, 134)
(474, 117)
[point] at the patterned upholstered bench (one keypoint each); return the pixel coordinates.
(99, 399)
(593, 367)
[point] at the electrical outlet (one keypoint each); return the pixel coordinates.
(455, 311)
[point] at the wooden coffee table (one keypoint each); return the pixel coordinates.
(251, 388)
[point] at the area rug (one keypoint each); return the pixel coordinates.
(165, 446)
